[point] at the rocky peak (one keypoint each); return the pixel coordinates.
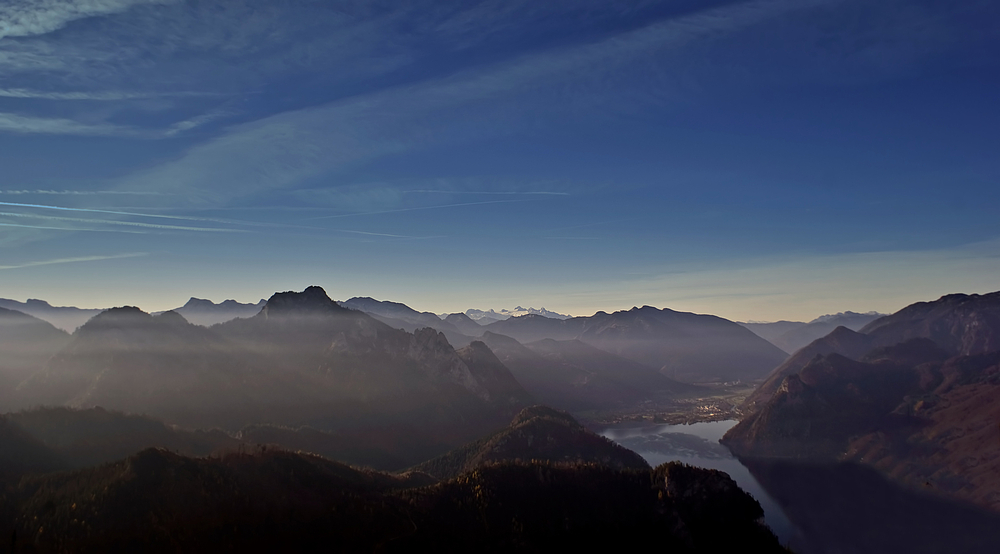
(197, 303)
(313, 301)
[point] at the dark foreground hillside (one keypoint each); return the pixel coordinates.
(156, 501)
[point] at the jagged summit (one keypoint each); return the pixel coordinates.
(197, 303)
(313, 300)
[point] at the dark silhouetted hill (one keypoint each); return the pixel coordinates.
(537, 433)
(274, 500)
(84, 438)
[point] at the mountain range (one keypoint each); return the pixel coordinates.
(682, 346)
(302, 360)
(207, 313)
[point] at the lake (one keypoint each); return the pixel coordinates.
(698, 445)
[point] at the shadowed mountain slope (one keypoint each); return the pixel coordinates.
(962, 323)
(401, 316)
(83, 438)
(922, 418)
(537, 433)
(841, 341)
(959, 323)
(26, 343)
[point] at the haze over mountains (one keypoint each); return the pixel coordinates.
(375, 383)
(790, 336)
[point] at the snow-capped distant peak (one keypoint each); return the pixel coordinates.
(516, 312)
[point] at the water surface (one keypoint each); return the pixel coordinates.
(698, 445)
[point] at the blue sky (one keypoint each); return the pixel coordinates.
(756, 160)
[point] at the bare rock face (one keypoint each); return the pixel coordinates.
(435, 355)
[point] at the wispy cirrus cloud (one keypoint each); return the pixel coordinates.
(95, 95)
(279, 151)
(56, 126)
(77, 259)
(20, 18)
(130, 224)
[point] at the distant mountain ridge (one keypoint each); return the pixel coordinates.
(67, 318)
(790, 336)
(207, 313)
(683, 346)
(493, 315)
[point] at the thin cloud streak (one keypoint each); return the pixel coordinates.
(416, 209)
(72, 229)
(541, 193)
(96, 95)
(55, 126)
(75, 260)
(86, 192)
(123, 223)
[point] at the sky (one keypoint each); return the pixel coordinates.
(758, 160)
